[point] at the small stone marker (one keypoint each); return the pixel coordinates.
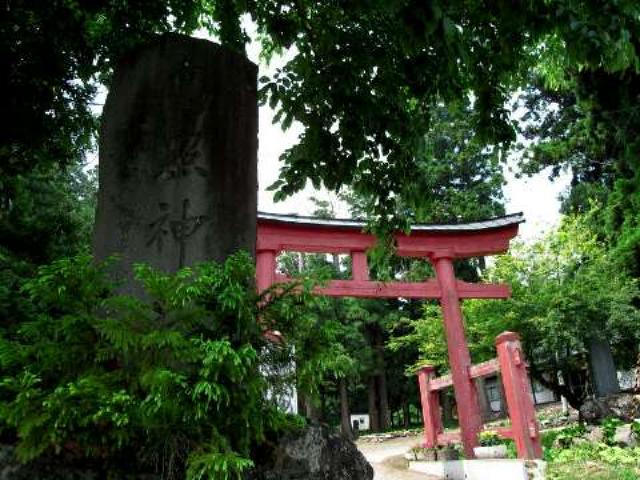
(178, 157)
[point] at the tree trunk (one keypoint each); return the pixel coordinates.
(311, 411)
(323, 404)
(374, 419)
(406, 422)
(636, 379)
(575, 399)
(385, 420)
(302, 406)
(603, 368)
(381, 380)
(345, 416)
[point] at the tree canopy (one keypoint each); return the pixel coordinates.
(363, 79)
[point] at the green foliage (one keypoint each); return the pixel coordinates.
(408, 54)
(170, 384)
(563, 438)
(490, 439)
(50, 213)
(567, 292)
(589, 125)
(456, 177)
(569, 459)
(593, 460)
(609, 427)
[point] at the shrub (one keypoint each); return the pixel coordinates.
(564, 437)
(609, 427)
(635, 429)
(490, 439)
(171, 384)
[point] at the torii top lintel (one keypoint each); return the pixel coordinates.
(277, 233)
(307, 234)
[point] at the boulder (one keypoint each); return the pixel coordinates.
(625, 406)
(595, 435)
(314, 453)
(624, 437)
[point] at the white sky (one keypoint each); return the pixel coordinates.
(536, 197)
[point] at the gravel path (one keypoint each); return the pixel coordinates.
(387, 459)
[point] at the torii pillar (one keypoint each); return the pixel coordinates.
(459, 356)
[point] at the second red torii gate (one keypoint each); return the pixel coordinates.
(441, 244)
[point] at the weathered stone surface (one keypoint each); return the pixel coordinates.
(603, 368)
(625, 437)
(313, 454)
(595, 435)
(625, 406)
(178, 156)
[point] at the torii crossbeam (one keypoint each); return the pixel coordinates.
(441, 244)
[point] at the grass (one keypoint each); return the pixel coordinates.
(583, 470)
(593, 461)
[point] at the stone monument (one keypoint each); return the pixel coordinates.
(178, 157)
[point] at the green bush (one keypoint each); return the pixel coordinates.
(609, 427)
(635, 429)
(563, 438)
(171, 384)
(594, 460)
(490, 439)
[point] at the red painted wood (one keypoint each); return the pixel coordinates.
(441, 383)
(279, 236)
(485, 369)
(359, 267)
(430, 407)
(265, 269)
(504, 432)
(518, 394)
(457, 244)
(482, 290)
(428, 289)
(459, 357)
(310, 238)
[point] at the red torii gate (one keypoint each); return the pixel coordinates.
(441, 244)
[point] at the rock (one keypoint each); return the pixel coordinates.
(178, 157)
(314, 453)
(625, 406)
(595, 435)
(624, 437)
